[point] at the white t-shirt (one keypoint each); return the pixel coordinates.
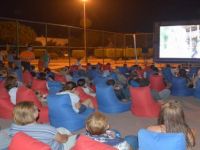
(74, 99)
(13, 92)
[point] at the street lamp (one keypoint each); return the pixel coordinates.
(84, 26)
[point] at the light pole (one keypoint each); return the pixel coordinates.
(84, 26)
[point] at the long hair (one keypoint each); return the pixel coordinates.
(173, 118)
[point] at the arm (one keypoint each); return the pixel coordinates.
(61, 138)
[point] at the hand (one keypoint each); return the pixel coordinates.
(61, 138)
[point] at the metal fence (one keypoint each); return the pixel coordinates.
(66, 43)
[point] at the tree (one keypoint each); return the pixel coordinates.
(8, 33)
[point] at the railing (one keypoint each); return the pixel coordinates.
(66, 42)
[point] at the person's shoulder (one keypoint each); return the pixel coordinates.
(155, 128)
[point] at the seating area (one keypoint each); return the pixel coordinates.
(139, 111)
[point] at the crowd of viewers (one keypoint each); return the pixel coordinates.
(25, 114)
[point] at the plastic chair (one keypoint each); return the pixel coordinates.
(40, 85)
(149, 140)
(61, 113)
(22, 141)
(85, 142)
(179, 87)
(143, 104)
(26, 94)
(108, 101)
(157, 83)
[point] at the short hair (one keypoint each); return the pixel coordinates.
(69, 85)
(97, 123)
(110, 82)
(25, 113)
(81, 82)
(10, 82)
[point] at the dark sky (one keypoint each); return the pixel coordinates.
(112, 15)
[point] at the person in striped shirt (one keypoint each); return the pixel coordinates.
(25, 115)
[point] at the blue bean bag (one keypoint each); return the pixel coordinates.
(61, 113)
(54, 86)
(167, 74)
(99, 80)
(179, 87)
(108, 101)
(197, 90)
(149, 140)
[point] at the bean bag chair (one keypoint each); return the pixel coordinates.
(27, 77)
(6, 108)
(143, 104)
(22, 141)
(61, 113)
(87, 143)
(26, 94)
(54, 86)
(108, 101)
(179, 87)
(40, 85)
(99, 80)
(4, 93)
(157, 83)
(197, 90)
(167, 74)
(84, 96)
(60, 78)
(149, 140)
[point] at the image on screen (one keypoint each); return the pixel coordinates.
(179, 41)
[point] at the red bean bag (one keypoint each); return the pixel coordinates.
(143, 103)
(157, 82)
(60, 78)
(4, 93)
(6, 109)
(86, 143)
(26, 94)
(84, 96)
(27, 78)
(22, 141)
(40, 85)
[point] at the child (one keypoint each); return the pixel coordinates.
(97, 128)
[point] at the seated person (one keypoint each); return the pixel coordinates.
(85, 87)
(196, 78)
(182, 73)
(11, 84)
(25, 115)
(120, 93)
(97, 128)
(172, 120)
(78, 107)
(135, 81)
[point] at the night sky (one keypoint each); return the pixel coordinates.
(112, 15)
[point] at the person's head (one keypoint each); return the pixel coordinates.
(173, 118)
(42, 76)
(81, 82)
(10, 82)
(182, 73)
(25, 113)
(97, 123)
(69, 86)
(110, 82)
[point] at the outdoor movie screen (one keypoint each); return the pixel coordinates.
(177, 42)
